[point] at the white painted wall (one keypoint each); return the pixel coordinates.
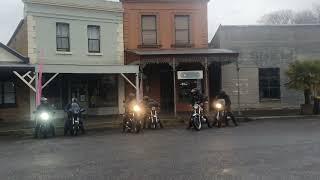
(42, 21)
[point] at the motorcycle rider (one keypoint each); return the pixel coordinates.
(44, 106)
(223, 95)
(74, 105)
(148, 103)
(197, 98)
(128, 103)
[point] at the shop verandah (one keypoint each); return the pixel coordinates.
(169, 75)
(100, 89)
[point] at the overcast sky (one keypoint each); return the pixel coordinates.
(225, 12)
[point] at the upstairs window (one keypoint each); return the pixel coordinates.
(182, 29)
(63, 37)
(269, 83)
(7, 94)
(94, 39)
(149, 29)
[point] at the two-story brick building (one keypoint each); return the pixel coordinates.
(169, 40)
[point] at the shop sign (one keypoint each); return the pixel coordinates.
(190, 74)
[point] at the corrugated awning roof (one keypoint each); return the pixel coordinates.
(184, 52)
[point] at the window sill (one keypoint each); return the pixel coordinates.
(149, 46)
(182, 45)
(94, 54)
(266, 100)
(63, 53)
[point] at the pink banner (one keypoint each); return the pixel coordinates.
(39, 86)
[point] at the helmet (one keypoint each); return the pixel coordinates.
(44, 100)
(74, 100)
(222, 92)
(194, 90)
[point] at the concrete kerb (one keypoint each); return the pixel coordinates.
(284, 117)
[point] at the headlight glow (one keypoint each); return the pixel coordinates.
(218, 106)
(44, 116)
(136, 108)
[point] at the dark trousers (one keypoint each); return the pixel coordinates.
(230, 114)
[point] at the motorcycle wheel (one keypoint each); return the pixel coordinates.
(208, 122)
(137, 127)
(44, 133)
(76, 132)
(196, 123)
(53, 131)
(72, 131)
(219, 124)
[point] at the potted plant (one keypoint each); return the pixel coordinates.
(304, 76)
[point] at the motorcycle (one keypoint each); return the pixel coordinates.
(198, 117)
(75, 121)
(154, 120)
(220, 117)
(132, 121)
(44, 125)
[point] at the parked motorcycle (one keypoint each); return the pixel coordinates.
(44, 124)
(154, 120)
(220, 116)
(198, 117)
(75, 124)
(132, 120)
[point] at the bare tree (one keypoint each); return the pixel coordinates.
(305, 17)
(292, 17)
(316, 11)
(278, 17)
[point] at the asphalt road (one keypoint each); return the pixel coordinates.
(264, 149)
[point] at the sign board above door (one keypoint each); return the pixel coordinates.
(190, 74)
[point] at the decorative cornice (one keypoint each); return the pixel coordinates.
(99, 5)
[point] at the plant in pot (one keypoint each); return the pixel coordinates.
(304, 76)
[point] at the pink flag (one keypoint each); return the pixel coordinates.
(39, 86)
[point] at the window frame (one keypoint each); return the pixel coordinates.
(99, 40)
(2, 94)
(269, 87)
(189, 29)
(63, 37)
(149, 30)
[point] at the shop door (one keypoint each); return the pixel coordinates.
(166, 91)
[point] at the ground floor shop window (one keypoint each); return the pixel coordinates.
(269, 83)
(7, 94)
(103, 91)
(185, 87)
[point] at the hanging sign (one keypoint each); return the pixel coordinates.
(190, 74)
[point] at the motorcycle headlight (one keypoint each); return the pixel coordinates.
(44, 116)
(218, 105)
(136, 108)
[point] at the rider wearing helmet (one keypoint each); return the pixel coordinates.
(69, 109)
(43, 106)
(223, 95)
(197, 96)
